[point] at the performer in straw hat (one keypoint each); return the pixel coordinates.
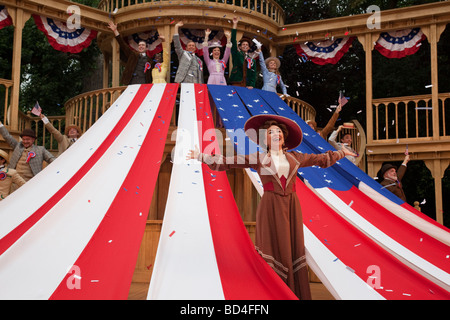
(216, 66)
(70, 136)
(279, 225)
(8, 176)
(27, 158)
(271, 74)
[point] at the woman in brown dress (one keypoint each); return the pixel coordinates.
(279, 224)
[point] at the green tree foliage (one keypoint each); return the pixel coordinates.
(48, 76)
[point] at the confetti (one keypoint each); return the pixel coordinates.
(350, 269)
(170, 235)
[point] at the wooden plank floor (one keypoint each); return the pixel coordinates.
(138, 291)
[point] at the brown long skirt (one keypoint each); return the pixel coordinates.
(279, 240)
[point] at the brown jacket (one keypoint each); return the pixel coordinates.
(64, 141)
(330, 126)
(266, 168)
(132, 60)
(7, 177)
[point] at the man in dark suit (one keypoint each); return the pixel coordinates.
(391, 178)
(138, 68)
(27, 158)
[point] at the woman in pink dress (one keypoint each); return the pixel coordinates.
(216, 66)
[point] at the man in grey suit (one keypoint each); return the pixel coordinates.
(190, 67)
(27, 158)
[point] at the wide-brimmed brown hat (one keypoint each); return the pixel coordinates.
(28, 133)
(277, 61)
(383, 170)
(295, 134)
(66, 131)
(4, 155)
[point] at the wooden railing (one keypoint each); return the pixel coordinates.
(84, 109)
(269, 8)
(302, 108)
(410, 117)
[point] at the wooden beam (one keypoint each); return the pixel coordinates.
(91, 18)
(395, 19)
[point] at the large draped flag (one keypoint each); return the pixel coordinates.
(356, 242)
(61, 37)
(154, 44)
(204, 250)
(79, 237)
(5, 18)
(401, 43)
(324, 51)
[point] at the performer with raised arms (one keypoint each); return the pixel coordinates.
(279, 224)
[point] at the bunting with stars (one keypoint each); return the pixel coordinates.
(325, 51)
(198, 37)
(154, 44)
(62, 38)
(400, 43)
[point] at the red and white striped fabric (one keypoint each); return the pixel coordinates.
(80, 235)
(204, 250)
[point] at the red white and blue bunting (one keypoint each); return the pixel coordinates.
(324, 51)
(198, 36)
(61, 37)
(154, 44)
(5, 18)
(401, 43)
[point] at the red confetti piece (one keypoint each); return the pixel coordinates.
(172, 233)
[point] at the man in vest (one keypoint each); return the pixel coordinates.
(27, 158)
(8, 176)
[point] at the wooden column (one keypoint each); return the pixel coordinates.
(19, 17)
(368, 46)
(106, 69)
(367, 42)
(115, 62)
(434, 81)
(437, 168)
